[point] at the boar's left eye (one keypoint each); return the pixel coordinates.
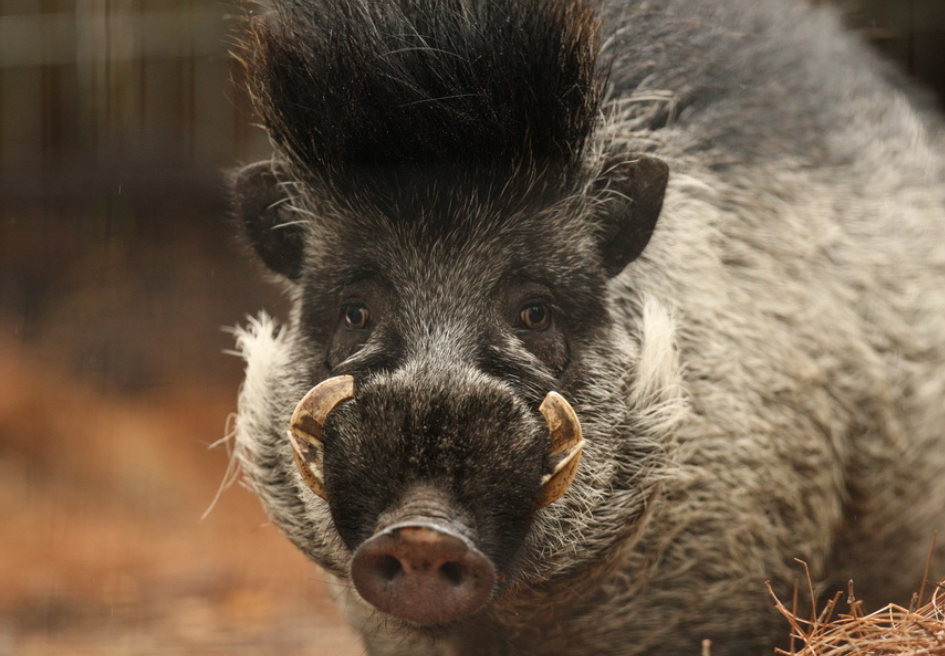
(357, 317)
(535, 316)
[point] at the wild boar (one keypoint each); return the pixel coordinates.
(602, 315)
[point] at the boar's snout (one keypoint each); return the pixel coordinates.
(422, 573)
(433, 477)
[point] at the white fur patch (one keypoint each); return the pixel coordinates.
(659, 362)
(262, 344)
(659, 391)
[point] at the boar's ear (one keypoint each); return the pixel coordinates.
(637, 184)
(258, 199)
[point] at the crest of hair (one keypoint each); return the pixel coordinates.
(395, 101)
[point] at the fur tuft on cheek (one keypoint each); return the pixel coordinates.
(262, 345)
(276, 379)
(658, 391)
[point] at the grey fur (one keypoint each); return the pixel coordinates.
(768, 383)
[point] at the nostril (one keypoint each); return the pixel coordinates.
(389, 567)
(453, 572)
(422, 574)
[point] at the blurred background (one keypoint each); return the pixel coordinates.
(119, 276)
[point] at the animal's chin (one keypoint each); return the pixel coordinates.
(437, 630)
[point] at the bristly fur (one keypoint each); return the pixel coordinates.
(398, 100)
(764, 382)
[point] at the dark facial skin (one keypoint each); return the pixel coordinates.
(455, 321)
(451, 353)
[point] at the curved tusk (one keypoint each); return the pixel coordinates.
(307, 427)
(567, 441)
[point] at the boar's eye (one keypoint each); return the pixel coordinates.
(357, 317)
(535, 316)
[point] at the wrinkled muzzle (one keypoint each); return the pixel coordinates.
(307, 428)
(425, 556)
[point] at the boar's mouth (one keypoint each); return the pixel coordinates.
(417, 567)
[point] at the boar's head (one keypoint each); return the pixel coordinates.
(447, 230)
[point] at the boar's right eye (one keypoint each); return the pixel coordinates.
(535, 316)
(357, 317)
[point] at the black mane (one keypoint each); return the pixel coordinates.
(388, 98)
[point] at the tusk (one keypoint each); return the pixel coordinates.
(567, 441)
(307, 427)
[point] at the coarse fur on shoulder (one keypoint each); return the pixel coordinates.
(746, 81)
(399, 101)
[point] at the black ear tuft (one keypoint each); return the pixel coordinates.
(258, 198)
(639, 184)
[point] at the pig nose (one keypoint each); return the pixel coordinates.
(422, 574)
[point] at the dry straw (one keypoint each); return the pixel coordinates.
(918, 630)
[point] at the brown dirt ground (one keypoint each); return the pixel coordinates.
(102, 547)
